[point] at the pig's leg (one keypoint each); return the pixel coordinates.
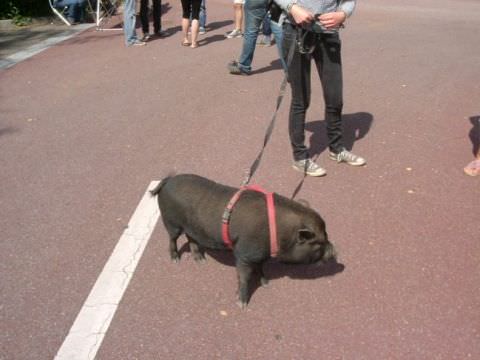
(174, 232)
(263, 279)
(244, 272)
(198, 255)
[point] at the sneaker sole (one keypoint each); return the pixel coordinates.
(309, 174)
(346, 162)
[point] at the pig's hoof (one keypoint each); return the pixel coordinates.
(175, 259)
(264, 282)
(199, 258)
(242, 305)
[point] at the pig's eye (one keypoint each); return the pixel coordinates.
(306, 234)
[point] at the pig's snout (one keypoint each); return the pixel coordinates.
(329, 253)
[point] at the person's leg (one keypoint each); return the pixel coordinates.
(195, 23)
(299, 79)
(157, 16)
(74, 12)
(203, 16)
(186, 9)
(195, 31)
(69, 7)
(278, 34)
(329, 65)
(129, 22)
(238, 15)
(237, 19)
(255, 11)
(81, 10)
(185, 26)
(144, 16)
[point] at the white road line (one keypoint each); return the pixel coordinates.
(40, 46)
(92, 322)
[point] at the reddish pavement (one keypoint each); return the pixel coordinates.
(86, 125)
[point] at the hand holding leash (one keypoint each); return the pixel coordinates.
(332, 20)
(301, 16)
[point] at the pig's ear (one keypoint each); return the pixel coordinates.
(304, 235)
(304, 202)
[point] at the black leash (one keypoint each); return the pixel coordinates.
(270, 127)
(305, 41)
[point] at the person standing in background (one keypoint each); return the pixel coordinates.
(129, 18)
(237, 19)
(145, 20)
(203, 17)
(255, 13)
(191, 9)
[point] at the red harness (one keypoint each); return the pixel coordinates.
(271, 218)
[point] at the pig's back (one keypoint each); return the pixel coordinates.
(196, 204)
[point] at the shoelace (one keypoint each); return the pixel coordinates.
(347, 156)
(309, 165)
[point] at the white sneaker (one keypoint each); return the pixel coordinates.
(348, 157)
(309, 167)
(235, 33)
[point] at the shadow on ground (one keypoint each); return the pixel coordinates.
(274, 65)
(355, 127)
(474, 134)
(275, 270)
(8, 130)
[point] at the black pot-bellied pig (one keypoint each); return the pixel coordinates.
(194, 205)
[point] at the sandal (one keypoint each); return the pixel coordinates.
(473, 168)
(194, 45)
(185, 43)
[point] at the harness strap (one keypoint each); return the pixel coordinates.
(272, 225)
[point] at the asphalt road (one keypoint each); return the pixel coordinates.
(86, 125)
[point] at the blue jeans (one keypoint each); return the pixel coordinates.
(129, 17)
(75, 8)
(203, 14)
(278, 33)
(255, 11)
(202, 18)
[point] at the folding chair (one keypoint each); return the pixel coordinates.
(103, 10)
(60, 12)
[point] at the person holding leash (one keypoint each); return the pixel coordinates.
(314, 26)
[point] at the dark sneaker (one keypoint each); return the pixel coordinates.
(235, 69)
(202, 31)
(309, 167)
(145, 37)
(348, 157)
